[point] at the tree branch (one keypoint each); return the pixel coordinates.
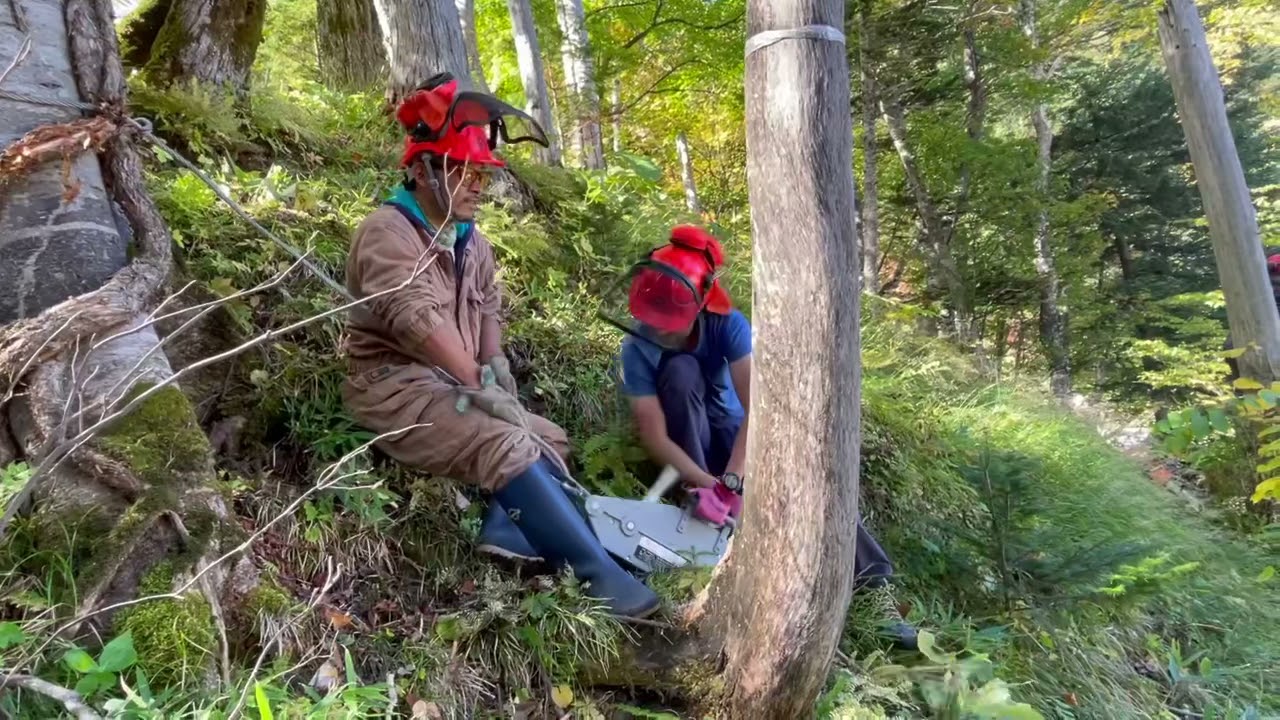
(70, 700)
(655, 23)
(653, 87)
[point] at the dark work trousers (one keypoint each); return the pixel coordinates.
(708, 440)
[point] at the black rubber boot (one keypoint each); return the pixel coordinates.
(553, 525)
(499, 536)
(892, 623)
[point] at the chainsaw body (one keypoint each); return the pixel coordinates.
(651, 536)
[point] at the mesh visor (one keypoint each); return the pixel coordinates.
(499, 118)
(654, 299)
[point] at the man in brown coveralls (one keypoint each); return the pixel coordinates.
(434, 306)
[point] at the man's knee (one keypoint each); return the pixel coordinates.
(680, 377)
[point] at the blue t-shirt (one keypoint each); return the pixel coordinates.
(722, 339)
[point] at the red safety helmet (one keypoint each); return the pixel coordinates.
(444, 121)
(679, 280)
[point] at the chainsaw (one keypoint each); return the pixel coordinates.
(647, 535)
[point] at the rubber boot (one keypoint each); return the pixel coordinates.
(499, 536)
(558, 531)
(892, 623)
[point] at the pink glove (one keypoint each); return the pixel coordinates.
(730, 499)
(709, 507)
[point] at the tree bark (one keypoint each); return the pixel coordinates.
(138, 496)
(870, 217)
(206, 42)
(138, 31)
(350, 44)
(780, 629)
(467, 18)
(1233, 224)
(1125, 255)
(1053, 322)
(686, 174)
(529, 57)
(616, 115)
(580, 86)
(943, 279)
(420, 38)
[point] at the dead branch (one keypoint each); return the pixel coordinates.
(63, 140)
(70, 699)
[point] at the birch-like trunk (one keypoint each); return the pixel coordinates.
(421, 38)
(1053, 322)
(467, 18)
(529, 57)
(585, 136)
(140, 493)
(1233, 224)
(870, 207)
(349, 44)
(616, 114)
(943, 280)
(781, 628)
(208, 42)
(686, 174)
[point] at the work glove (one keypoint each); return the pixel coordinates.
(502, 372)
(730, 499)
(708, 506)
(493, 399)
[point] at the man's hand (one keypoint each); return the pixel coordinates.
(496, 401)
(502, 372)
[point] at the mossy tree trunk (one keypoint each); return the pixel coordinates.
(421, 38)
(137, 502)
(350, 44)
(200, 41)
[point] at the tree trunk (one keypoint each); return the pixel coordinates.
(136, 503)
(467, 18)
(943, 279)
(975, 123)
(529, 56)
(208, 42)
(1125, 256)
(138, 31)
(420, 38)
(616, 115)
(350, 44)
(870, 217)
(1053, 322)
(780, 629)
(580, 86)
(686, 174)
(1233, 225)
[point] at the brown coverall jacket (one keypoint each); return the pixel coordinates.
(391, 384)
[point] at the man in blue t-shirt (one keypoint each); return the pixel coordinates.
(686, 370)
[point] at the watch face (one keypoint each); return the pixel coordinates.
(732, 481)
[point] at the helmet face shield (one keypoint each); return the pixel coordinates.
(474, 109)
(654, 302)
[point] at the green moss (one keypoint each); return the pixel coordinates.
(551, 186)
(139, 29)
(160, 439)
(268, 598)
(174, 639)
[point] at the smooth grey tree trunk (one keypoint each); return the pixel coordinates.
(1053, 322)
(529, 57)
(421, 38)
(781, 628)
(686, 174)
(580, 85)
(349, 44)
(870, 207)
(616, 115)
(208, 42)
(467, 18)
(1233, 224)
(130, 498)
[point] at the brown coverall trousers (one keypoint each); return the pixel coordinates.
(392, 385)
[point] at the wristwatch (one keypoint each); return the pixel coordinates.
(733, 481)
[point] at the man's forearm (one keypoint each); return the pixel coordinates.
(444, 348)
(666, 452)
(738, 457)
(490, 337)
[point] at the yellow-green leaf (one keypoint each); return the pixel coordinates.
(1246, 384)
(1266, 489)
(562, 696)
(1235, 353)
(260, 699)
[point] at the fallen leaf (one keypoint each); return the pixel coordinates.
(468, 587)
(1161, 475)
(337, 618)
(423, 710)
(1071, 699)
(326, 677)
(562, 696)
